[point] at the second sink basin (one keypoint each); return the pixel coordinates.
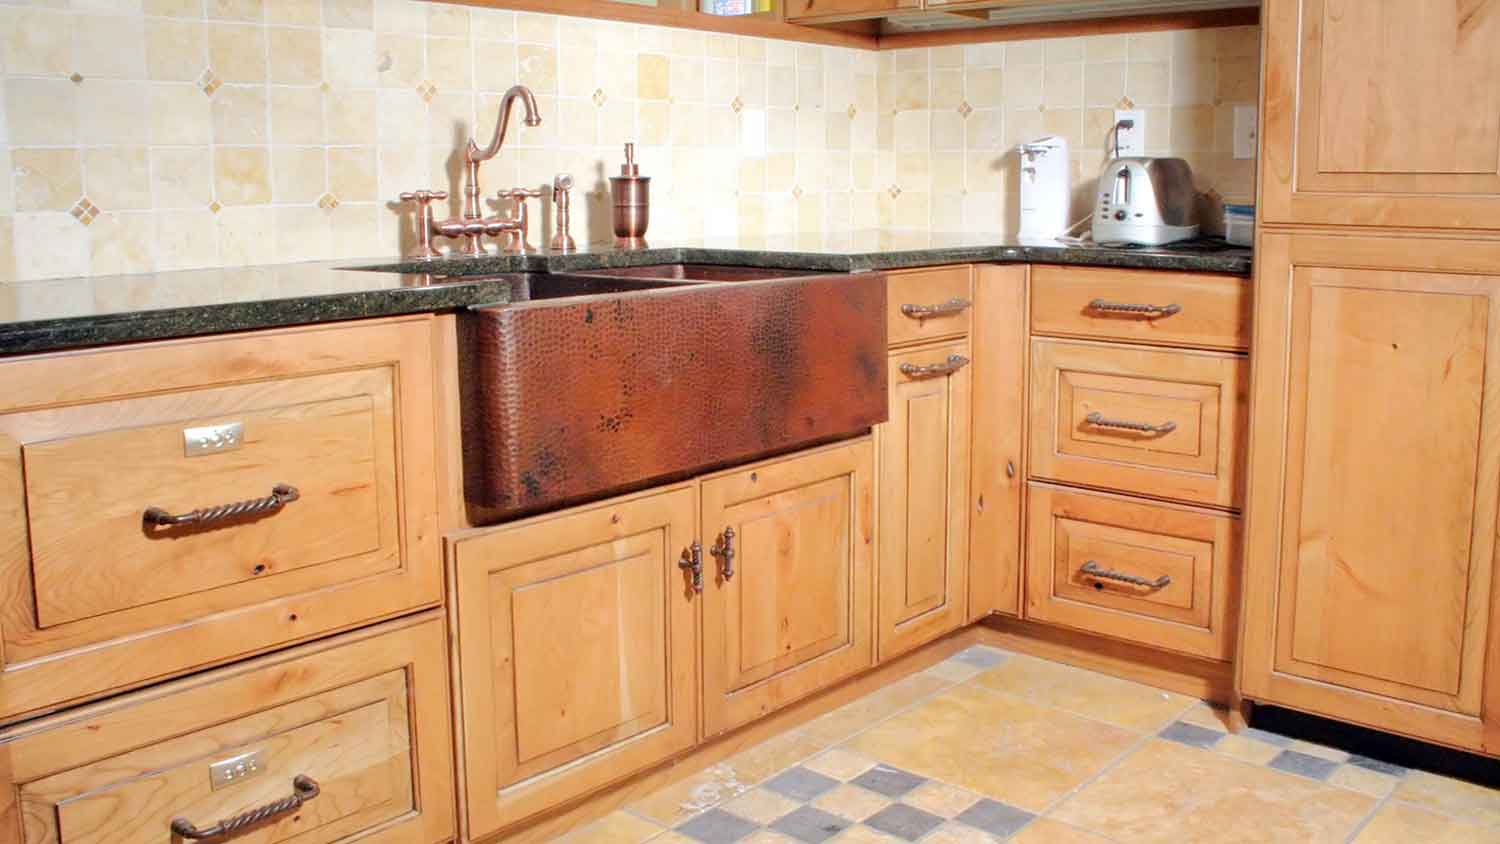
(699, 272)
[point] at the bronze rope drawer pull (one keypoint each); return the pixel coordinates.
(724, 550)
(1098, 420)
(281, 495)
(934, 370)
(692, 563)
(1152, 311)
(1093, 569)
(952, 306)
(304, 787)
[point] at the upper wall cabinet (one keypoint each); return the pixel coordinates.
(1382, 113)
(797, 10)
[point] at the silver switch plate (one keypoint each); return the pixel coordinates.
(212, 439)
(227, 772)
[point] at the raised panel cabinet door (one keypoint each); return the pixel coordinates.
(788, 612)
(1382, 113)
(998, 450)
(170, 506)
(1375, 472)
(924, 489)
(577, 652)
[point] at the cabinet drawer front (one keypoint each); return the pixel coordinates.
(200, 501)
(356, 726)
(1197, 310)
(1155, 574)
(929, 304)
(578, 637)
(1163, 424)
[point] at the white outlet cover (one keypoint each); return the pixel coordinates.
(1246, 131)
(1132, 141)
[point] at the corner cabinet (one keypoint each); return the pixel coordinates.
(1381, 113)
(1374, 477)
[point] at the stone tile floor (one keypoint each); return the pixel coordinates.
(989, 747)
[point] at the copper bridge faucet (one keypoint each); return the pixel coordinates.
(472, 225)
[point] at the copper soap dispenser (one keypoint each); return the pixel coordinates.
(632, 200)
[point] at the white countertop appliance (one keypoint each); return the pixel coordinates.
(1045, 193)
(1145, 201)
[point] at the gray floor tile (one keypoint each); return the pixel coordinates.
(996, 818)
(1378, 766)
(717, 826)
(1191, 734)
(905, 822)
(892, 782)
(801, 785)
(1266, 736)
(1301, 763)
(811, 825)
(980, 656)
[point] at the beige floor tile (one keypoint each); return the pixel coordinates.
(1363, 780)
(840, 764)
(941, 799)
(761, 806)
(953, 671)
(1332, 754)
(852, 802)
(679, 838)
(847, 720)
(1465, 801)
(1247, 749)
(681, 800)
(864, 835)
(614, 828)
(1048, 831)
(1399, 823)
(1097, 696)
(957, 833)
(1208, 716)
(1166, 793)
(772, 756)
(1010, 749)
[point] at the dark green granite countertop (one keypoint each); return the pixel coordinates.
(50, 315)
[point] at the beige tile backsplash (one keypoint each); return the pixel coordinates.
(138, 135)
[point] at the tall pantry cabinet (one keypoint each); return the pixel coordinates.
(1375, 439)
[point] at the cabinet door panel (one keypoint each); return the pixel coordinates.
(794, 614)
(577, 635)
(924, 484)
(1376, 464)
(1383, 112)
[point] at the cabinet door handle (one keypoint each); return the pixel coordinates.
(304, 788)
(724, 550)
(1094, 570)
(1148, 311)
(934, 370)
(281, 495)
(1098, 420)
(921, 312)
(692, 562)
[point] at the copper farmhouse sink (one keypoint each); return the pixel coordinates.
(572, 398)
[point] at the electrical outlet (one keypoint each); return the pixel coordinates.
(1130, 141)
(1245, 131)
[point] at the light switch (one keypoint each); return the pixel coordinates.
(1130, 141)
(1245, 131)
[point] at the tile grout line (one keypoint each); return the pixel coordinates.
(1369, 816)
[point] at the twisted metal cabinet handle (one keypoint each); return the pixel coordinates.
(934, 370)
(1093, 569)
(1152, 311)
(304, 788)
(1098, 420)
(281, 495)
(724, 550)
(952, 306)
(692, 562)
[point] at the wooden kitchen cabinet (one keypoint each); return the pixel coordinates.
(577, 651)
(798, 11)
(1375, 467)
(1381, 113)
(923, 520)
(789, 612)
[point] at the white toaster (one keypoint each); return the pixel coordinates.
(1145, 201)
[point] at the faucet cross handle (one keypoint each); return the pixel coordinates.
(424, 199)
(521, 236)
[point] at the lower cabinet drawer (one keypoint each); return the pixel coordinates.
(1157, 574)
(346, 739)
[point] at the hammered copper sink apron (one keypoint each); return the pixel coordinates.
(571, 399)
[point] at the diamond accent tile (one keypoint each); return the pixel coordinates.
(1125, 103)
(1191, 734)
(1377, 766)
(84, 211)
(426, 91)
(801, 784)
(76, 78)
(1303, 764)
(797, 192)
(737, 104)
(328, 201)
(852, 111)
(903, 821)
(810, 825)
(209, 82)
(600, 98)
(894, 191)
(325, 87)
(717, 826)
(214, 207)
(995, 817)
(964, 109)
(980, 657)
(884, 779)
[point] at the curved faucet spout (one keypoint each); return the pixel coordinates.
(519, 92)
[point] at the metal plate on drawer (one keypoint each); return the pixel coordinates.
(231, 771)
(212, 439)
